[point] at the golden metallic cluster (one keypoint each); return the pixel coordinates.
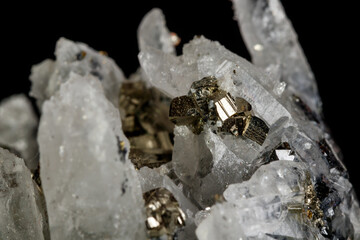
(312, 204)
(206, 102)
(146, 124)
(164, 216)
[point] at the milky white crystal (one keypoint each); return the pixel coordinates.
(90, 185)
(18, 125)
(271, 40)
(47, 76)
(22, 214)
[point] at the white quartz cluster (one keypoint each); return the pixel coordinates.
(228, 187)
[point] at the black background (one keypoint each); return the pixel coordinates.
(326, 32)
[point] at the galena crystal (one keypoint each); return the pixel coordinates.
(249, 156)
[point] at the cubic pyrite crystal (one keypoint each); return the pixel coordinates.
(249, 156)
(163, 213)
(207, 103)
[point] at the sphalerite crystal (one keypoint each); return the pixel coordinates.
(249, 156)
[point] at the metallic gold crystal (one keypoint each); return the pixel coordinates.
(205, 102)
(164, 215)
(255, 129)
(234, 125)
(312, 204)
(203, 91)
(183, 110)
(146, 124)
(226, 107)
(243, 106)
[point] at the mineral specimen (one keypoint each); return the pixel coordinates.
(249, 156)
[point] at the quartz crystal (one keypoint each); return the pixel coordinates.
(90, 185)
(18, 128)
(22, 210)
(249, 156)
(71, 57)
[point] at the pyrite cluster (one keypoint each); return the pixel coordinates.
(145, 124)
(207, 103)
(164, 215)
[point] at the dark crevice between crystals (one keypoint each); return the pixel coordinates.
(332, 160)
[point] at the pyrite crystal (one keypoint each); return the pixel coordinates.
(164, 216)
(206, 103)
(145, 124)
(249, 156)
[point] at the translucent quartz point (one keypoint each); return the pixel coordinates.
(272, 41)
(91, 187)
(47, 76)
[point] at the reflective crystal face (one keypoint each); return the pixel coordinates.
(282, 152)
(164, 216)
(146, 125)
(206, 102)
